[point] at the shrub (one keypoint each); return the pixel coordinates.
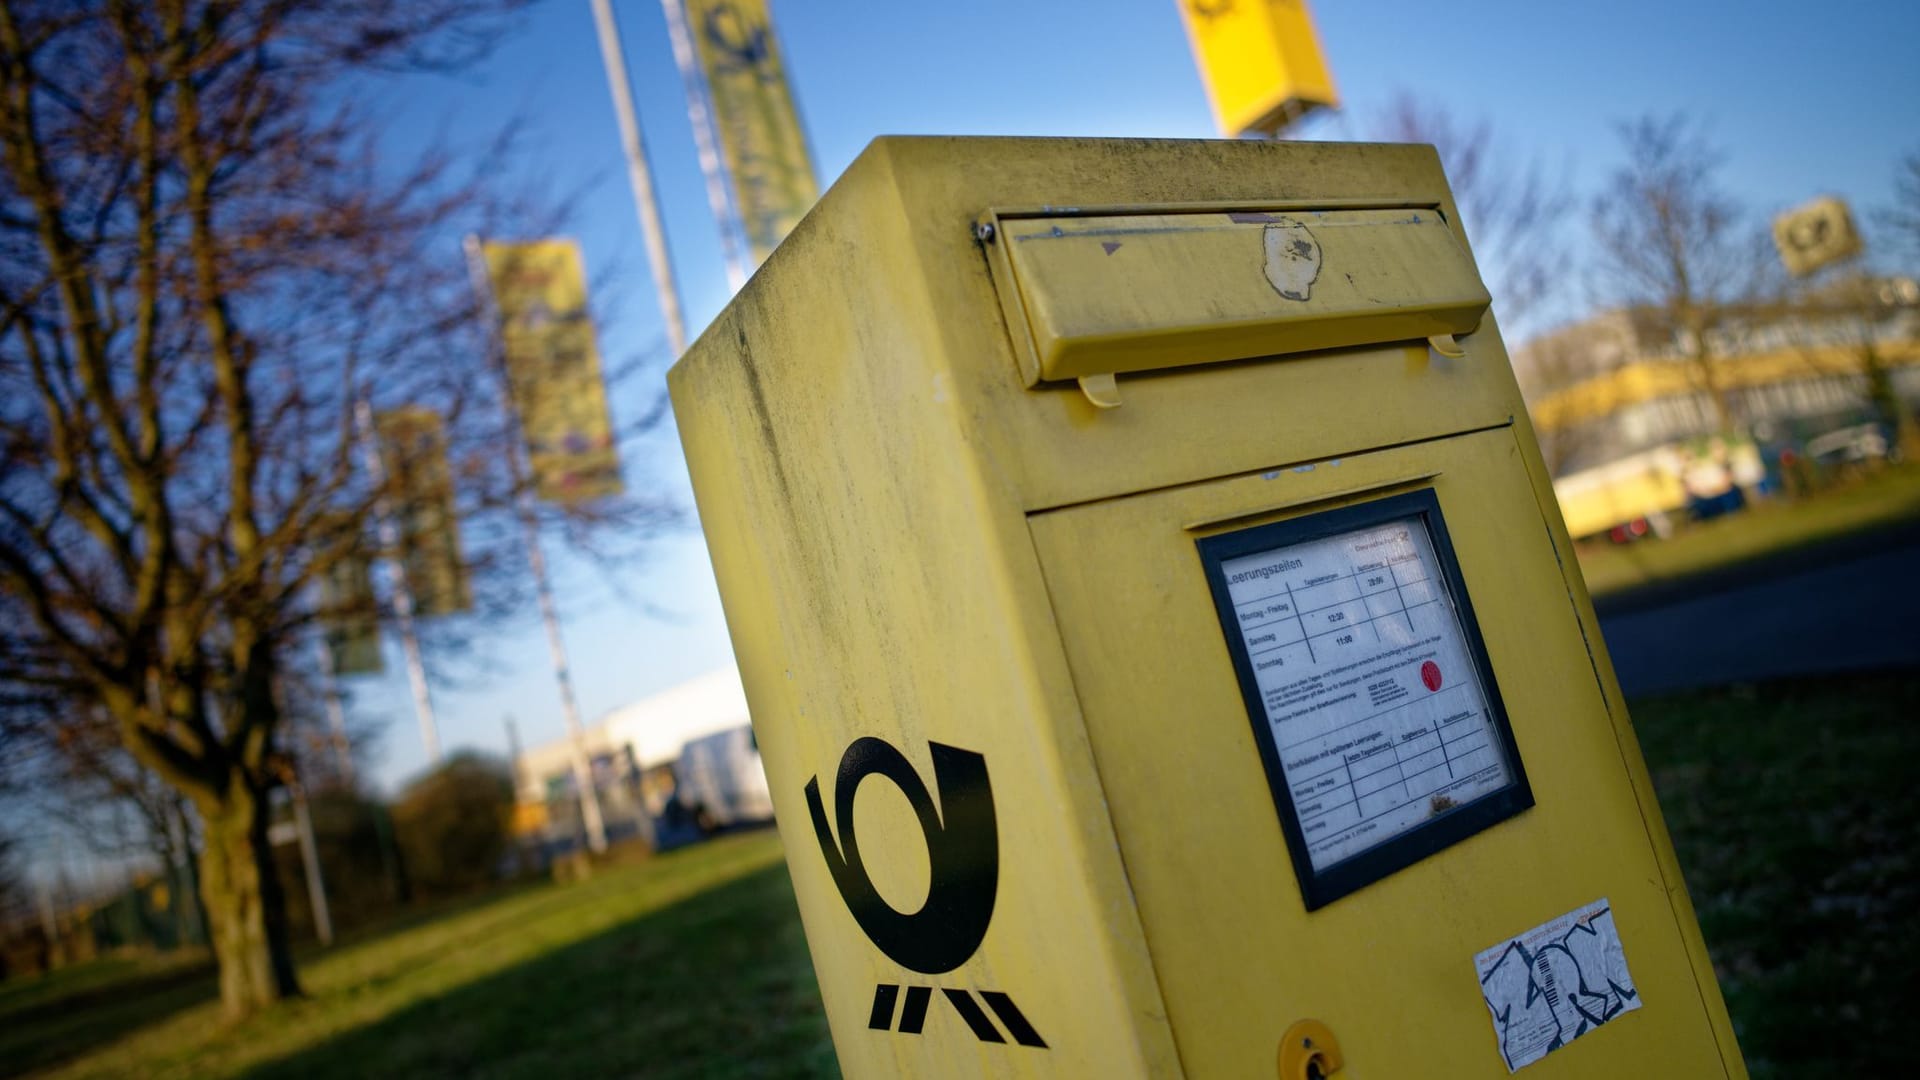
(451, 824)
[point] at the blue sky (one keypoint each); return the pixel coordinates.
(1804, 100)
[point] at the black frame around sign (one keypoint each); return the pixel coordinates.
(1320, 888)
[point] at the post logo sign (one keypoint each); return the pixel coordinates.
(1816, 235)
(963, 850)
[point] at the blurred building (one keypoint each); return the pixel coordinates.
(1620, 384)
(1625, 420)
(632, 750)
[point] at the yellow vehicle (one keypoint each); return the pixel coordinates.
(1646, 488)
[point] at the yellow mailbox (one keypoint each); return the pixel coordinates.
(1164, 646)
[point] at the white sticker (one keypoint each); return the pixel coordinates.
(1555, 983)
(1363, 668)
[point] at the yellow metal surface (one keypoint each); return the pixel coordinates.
(986, 592)
(1260, 61)
(1143, 292)
(1201, 889)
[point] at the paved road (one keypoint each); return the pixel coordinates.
(1849, 606)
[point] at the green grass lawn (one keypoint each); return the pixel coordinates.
(1794, 808)
(1796, 813)
(1887, 498)
(688, 965)
(45, 1020)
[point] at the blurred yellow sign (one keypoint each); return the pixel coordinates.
(528, 819)
(413, 451)
(1260, 61)
(1814, 235)
(553, 368)
(766, 153)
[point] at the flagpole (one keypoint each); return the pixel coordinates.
(310, 860)
(303, 828)
(402, 594)
(645, 201)
(537, 561)
(563, 675)
(732, 241)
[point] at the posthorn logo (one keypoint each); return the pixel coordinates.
(963, 852)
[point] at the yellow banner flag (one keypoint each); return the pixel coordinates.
(553, 368)
(352, 617)
(760, 137)
(413, 451)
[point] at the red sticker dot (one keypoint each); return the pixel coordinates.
(1430, 674)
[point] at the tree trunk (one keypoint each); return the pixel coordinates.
(245, 908)
(1706, 372)
(1886, 400)
(192, 914)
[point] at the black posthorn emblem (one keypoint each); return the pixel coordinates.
(963, 851)
(963, 848)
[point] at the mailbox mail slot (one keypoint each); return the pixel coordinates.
(1104, 295)
(1124, 742)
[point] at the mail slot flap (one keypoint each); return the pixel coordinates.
(1107, 295)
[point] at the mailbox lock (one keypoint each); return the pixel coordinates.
(1308, 1051)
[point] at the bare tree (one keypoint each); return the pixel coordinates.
(85, 777)
(1902, 218)
(1901, 222)
(1671, 245)
(1514, 211)
(205, 263)
(1845, 310)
